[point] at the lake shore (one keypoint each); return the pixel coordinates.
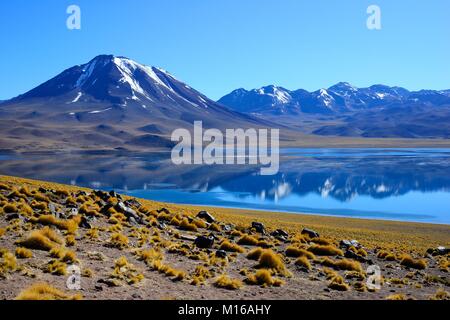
(128, 248)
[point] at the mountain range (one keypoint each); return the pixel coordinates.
(345, 110)
(115, 102)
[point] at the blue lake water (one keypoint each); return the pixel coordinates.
(392, 184)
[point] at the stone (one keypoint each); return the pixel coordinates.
(84, 223)
(439, 251)
(221, 254)
(204, 242)
(280, 232)
(310, 233)
(127, 211)
(205, 215)
(52, 208)
(164, 210)
(12, 216)
(133, 203)
(345, 244)
(259, 227)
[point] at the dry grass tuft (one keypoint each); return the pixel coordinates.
(410, 262)
(228, 283)
(271, 260)
(248, 240)
(8, 263)
(44, 239)
(70, 225)
(186, 225)
(344, 264)
(386, 255)
(325, 250)
(230, 246)
(119, 241)
(303, 262)
(440, 294)
(43, 291)
(263, 277)
(23, 253)
(56, 267)
(2, 232)
(125, 271)
(398, 296)
(215, 227)
(296, 252)
(255, 254)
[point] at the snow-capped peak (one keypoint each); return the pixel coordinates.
(281, 95)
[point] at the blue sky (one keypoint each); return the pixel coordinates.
(220, 45)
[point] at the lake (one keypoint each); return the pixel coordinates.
(390, 184)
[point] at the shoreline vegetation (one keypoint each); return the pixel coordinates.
(131, 248)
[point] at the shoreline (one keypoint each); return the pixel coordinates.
(417, 236)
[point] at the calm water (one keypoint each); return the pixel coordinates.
(394, 184)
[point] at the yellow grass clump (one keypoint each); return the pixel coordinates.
(325, 250)
(296, 252)
(186, 225)
(263, 277)
(10, 208)
(344, 264)
(215, 227)
(254, 254)
(199, 223)
(248, 240)
(44, 239)
(440, 294)
(43, 291)
(8, 262)
(71, 225)
(23, 253)
(271, 260)
(119, 241)
(386, 255)
(200, 275)
(230, 246)
(125, 271)
(56, 267)
(2, 232)
(410, 262)
(177, 275)
(398, 296)
(303, 262)
(228, 283)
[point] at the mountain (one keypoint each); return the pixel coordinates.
(340, 98)
(112, 101)
(347, 111)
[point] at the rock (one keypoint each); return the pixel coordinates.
(355, 243)
(98, 287)
(205, 215)
(227, 227)
(204, 242)
(221, 254)
(52, 208)
(42, 190)
(310, 233)
(280, 232)
(113, 194)
(259, 227)
(133, 222)
(128, 212)
(345, 244)
(133, 203)
(162, 226)
(84, 223)
(352, 255)
(439, 251)
(104, 210)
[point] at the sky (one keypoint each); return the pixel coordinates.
(217, 46)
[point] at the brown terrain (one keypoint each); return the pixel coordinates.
(128, 248)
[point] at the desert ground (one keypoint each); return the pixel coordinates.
(66, 242)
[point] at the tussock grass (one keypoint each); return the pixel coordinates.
(8, 263)
(125, 271)
(440, 294)
(344, 264)
(10, 208)
(382, 254)
(248, 240)
(70, 225)
(271, 260)
(215, 227)
(200, 275)
(199, 223)
(23, 253)
(296, 252)
(398, 296)
(43, 291)
(230, 246)
(177, 275)
(410, 262)
(254, 254)
(56, 267)
(303, 262)
(119, 241)
(338, 283)
(186, 225)
(263, 277)
(325, 250)
(44, 239)
(2, 232)
(228, 283)
(70, 240)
